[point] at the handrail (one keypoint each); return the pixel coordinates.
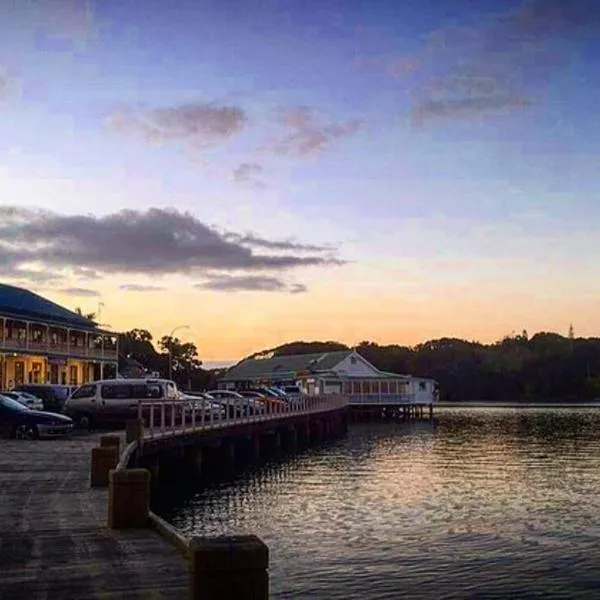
(387, 399)
(163, 419)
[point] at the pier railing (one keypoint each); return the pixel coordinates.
(163, 419)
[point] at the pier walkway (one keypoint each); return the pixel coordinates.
(54, 539)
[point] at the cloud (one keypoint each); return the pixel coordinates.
(298, 288)
(246, 174)
(248, 283)
(152, 242)
(252, 240)
(82, 292)
(304, 135)
(444, 109)
(505, 63)
(137, 287)
(201, 124)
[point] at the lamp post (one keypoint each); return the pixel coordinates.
(171, 347)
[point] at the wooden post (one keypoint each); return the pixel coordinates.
(110, 441)
(103, 460)
(134, 431)
(128, 498)
(229, 568)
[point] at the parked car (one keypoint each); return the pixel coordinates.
(115, 401)
(29, 400)
(203, 404)
(22, 423)
(53, 396)
(236, 404)
(262, 398)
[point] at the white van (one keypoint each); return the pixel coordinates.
(115, 401)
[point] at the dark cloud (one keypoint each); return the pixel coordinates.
(82, 292)
(138, 287)
(247, 173)
(199, 124)
(298, 288)
(155, 241)
(305, 135)
(249, 283)
(254, 241)
(504, 64)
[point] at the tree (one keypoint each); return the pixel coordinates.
(183, 356)
(89, 316)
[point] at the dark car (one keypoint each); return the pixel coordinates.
(53, 396)
(20, 422)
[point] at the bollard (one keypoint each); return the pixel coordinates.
(109, 441)
(103, 460)
(229, 568)
(128, 498)
(134, 430)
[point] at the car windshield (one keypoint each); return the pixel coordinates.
(12, 404)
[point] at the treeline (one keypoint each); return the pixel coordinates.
(137, 352)
(546, 366)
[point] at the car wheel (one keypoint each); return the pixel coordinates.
(84, 420)
(25, 431)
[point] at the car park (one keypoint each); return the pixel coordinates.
(28, 400)
(19, 422)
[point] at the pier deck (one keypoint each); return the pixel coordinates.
(54, 542)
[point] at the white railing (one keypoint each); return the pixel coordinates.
(60, 348)
(163, 419)
(387, 399)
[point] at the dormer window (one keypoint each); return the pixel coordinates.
(353, 360)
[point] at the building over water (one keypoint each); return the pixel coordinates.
(42, 342)
(341, 372)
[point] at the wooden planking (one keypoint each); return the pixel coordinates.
(54, 543)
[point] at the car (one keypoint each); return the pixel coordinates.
(236, 404)
(25, 398)
(266, 400)
(203, 404)
(19, 422)
(53, 396)
(115, 401)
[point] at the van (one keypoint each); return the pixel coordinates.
(115, 401)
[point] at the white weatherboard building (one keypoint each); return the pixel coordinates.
(341, 372)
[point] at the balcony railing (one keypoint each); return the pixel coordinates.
(61, 348)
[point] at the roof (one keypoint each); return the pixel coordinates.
(19, 303)
(255, 368)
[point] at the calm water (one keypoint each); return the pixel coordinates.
(490, 503)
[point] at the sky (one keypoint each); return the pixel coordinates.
(269, 171)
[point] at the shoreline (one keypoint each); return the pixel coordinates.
(517, 404)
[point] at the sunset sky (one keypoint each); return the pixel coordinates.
(266, 171)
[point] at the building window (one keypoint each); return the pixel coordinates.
(353, 360)
(422, 386)
(73, 375)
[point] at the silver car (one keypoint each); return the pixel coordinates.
(26, 399)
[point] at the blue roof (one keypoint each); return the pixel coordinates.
(17, 303)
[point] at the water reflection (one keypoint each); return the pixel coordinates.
(490, 503)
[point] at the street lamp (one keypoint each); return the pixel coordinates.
(171, 347)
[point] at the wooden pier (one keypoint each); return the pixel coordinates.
(54, 539)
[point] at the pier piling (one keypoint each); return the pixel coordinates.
(128, 498)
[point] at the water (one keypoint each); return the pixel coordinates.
(490, 503)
